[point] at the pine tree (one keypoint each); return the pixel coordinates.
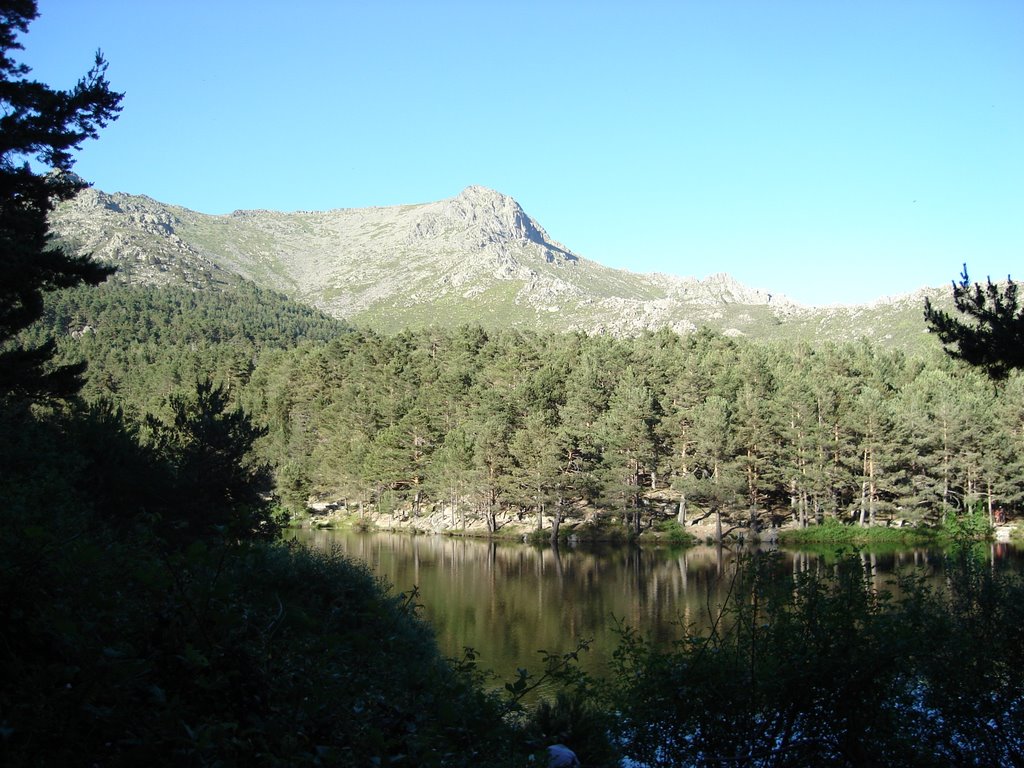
(882, 452)
(586, 397)
(1005, 444)
(803, 435)
(221, 488)
(715, 481)
(994, 338)
(451, 472)
(536, 473)
(42, 125)
(626, 432)
(929, 412)
(835, 383)
(676, 431)
(754, 427)
(491, 431)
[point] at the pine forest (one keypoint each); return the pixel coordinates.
(488, 426)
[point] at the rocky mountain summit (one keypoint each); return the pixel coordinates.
(482, 219)
(477, 257)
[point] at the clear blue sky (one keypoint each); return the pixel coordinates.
(830, 151)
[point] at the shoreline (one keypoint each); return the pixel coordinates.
(592, 528)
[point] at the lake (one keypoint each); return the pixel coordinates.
(508, 600)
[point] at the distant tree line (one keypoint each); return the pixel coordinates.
(486, 423)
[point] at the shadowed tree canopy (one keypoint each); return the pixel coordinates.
(994, 338)
(42, 126)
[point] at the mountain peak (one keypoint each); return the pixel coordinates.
(490, 213)
(481, 217)
(477, 194)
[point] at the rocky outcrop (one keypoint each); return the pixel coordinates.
(139, 236)
(482, 219)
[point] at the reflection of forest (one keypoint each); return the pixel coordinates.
(507, 601)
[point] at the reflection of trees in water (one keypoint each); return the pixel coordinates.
(509, 600)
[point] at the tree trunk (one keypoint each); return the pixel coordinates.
(681, 515)
(873, 495)
(864, 492)
(945, 466)
(792, 499)
(752, 484)
(557, 521)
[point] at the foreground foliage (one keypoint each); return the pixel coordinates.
(43, 126)
(128, 642)
(825, 668)
(131, 639)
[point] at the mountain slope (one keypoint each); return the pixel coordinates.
(477, 257)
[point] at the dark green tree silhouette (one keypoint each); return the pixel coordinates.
(41, 125)
(221, 490)
(994, 340)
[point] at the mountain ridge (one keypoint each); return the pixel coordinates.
(475, 257)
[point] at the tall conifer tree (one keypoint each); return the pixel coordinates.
(41, 125)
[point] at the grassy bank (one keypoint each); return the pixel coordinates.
(972, 527)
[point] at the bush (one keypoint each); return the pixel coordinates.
(575, 721)
(673, 533)
(119, 649)
(832, 531)
(825, 670)
(261, 653)
(970, 526)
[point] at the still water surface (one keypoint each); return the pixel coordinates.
(508, 601)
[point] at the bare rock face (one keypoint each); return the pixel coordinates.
(136, 234)
(477, 257)
(721, 288)
(480, 218)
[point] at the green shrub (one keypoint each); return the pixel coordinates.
(673, 533)
(826, 669)
(970, 526)
(120, 648)
(833, 532)
(262, 653)
(575, 721)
